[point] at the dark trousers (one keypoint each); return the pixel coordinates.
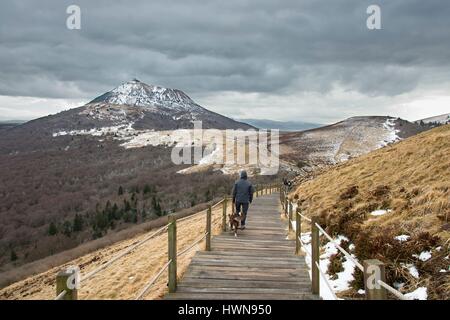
(244, 207)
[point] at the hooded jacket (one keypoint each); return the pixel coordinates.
(243, 190)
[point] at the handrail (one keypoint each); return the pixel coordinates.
(128, 250)
(122, 254)
(193, 245)
(346, 254)
(198, 213)
(171, 264)
(304, 217)
(156, 277)
(326, 281)
(395, 292)
(302, 245)
(61, 295)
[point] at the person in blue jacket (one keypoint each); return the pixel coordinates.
(243, 196)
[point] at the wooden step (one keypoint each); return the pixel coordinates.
(229, 283)
(240, 296)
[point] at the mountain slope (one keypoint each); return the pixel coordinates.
(442, 119)
(50, 177)
(409, 182)
(345, 139)
(133, 104)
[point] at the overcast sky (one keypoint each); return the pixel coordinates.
(305, 60)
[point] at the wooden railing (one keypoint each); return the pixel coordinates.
(67, 285)
(373, 269)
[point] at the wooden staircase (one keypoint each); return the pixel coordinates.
(259, 264)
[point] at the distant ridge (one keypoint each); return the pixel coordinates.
(441, 119)
(281, 125)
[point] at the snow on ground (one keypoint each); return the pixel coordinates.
(423, 256)
(390, 132)
(216, 151)
(342, 282)
(380, 212)
(412, 269)
(418, 294)
(122, 130)
(402, 238)
(398, 285)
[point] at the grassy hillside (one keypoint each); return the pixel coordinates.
(127, 276)
(411, 181)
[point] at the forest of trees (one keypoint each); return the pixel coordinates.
(134, 206)
(54, 200)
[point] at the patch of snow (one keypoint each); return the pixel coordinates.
(361, 291)
(402, 238)
(342, 282)
(423, 256)
(390, 132)
(380, 212)
(418, 294)
(121, 129)
(398, 285)
(412, 270)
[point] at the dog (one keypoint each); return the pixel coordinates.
(235, 220)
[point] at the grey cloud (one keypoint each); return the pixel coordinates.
(211, 46)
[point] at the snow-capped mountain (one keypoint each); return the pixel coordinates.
(153, 107)
(132, 106)
(139, 94)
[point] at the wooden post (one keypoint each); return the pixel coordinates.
(286, 205)
(298, 230)
(172, 232)
(290, 214)
(373, 271)
(224, 213)
(315, 252)
(65, 281)
(208, 229)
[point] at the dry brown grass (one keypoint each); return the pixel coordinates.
(127, 276)
(412, 178)
(17, 273)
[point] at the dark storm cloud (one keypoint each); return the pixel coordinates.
(206, 46)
